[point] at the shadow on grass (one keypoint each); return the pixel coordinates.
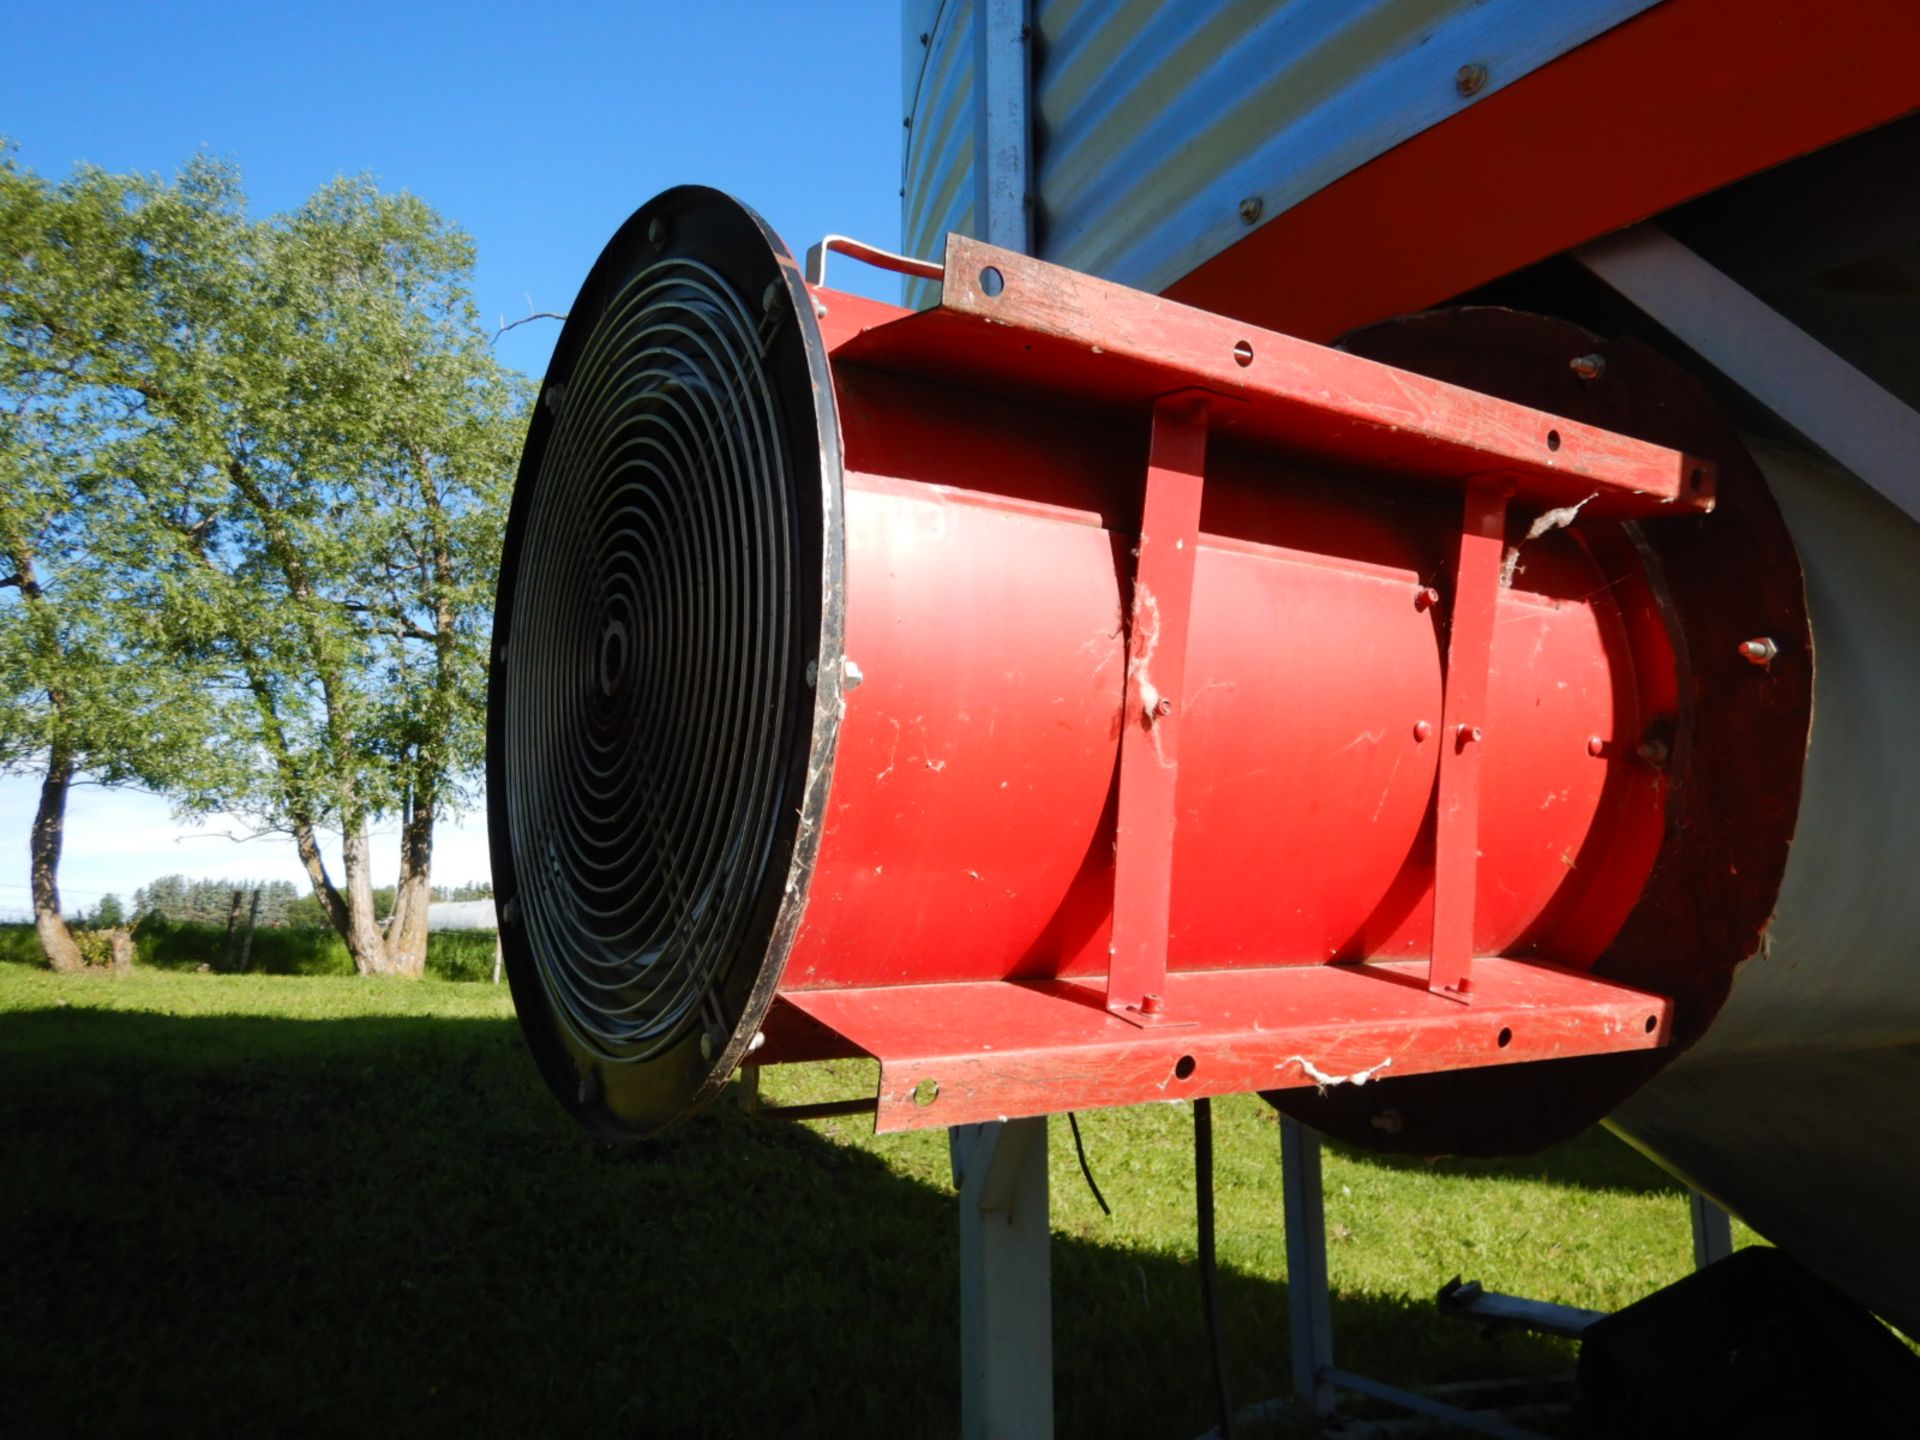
(1594, 1160)
(382, 1225)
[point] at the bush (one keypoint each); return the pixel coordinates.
(164, 944)
(460, 954)
(20, 945)
(186, 945)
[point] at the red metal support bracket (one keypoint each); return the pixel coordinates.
(1456, 842)
(1150, 725)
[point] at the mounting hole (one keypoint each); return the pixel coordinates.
(1553, 439)
(992, 282)
(926, 1092)
(1504, 1038)
(1183, 1068)
(1653, 1023)
(1243, 353)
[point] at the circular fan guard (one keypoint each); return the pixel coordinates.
(657, 756)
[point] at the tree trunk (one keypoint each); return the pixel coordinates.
(307, 841)
(407, 931)
(49, 825)
(364, 941)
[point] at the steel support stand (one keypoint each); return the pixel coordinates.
(1316, 1381)
(1006, 1286)
(1309, 1306)
(1712, 1230)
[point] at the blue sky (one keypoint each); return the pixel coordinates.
(538, 128)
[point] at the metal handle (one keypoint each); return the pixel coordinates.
(870, 254)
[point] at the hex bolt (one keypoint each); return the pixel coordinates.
(1596, 746)
(1251, 209)
(1426, 598)
(1759, 652)
(1149, 1004)
(1588, 367)
(1422, 729)
(1470, 79)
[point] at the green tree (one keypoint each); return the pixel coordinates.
(80, 697)
(314, 462)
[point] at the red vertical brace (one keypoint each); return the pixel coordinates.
(1150, 728)
(1456, 848)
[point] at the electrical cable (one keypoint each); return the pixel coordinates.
(1073, 1122)
(1209, 1277)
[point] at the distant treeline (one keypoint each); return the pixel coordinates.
(283, 905)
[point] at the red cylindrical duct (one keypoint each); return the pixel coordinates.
(1064, 697)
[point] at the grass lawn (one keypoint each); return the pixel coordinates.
(319, 1205)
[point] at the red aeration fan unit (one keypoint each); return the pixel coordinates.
(1070, 698)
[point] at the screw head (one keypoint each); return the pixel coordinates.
(1596, 746)
(1470, 79)
(1422, 729)
(1163, 706)
(1588, 367)
(1251, 209)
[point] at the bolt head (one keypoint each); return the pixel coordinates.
(1422, 729)
(1163, 707)
(1426, 598)
(1596, 746)
(1588, 367)
(1760, 651)
(1150, 1004)
(1470, 79)
(1469, 734)
(1251, 209)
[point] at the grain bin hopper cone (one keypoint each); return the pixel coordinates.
(1069, 698)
